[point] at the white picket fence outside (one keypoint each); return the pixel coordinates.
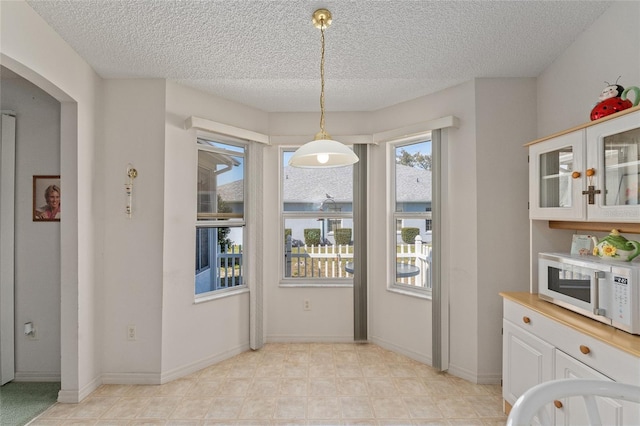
(317, 261)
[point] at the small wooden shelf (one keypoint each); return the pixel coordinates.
(626, 228)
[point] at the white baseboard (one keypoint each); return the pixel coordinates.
(36, 376)
(187, 369)
(75, 396)
(131, 379)
(425, 359)
(286, 338)
(487, 379)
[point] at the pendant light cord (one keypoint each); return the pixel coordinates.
(322, 26)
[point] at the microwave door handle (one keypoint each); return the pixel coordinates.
(596, 296)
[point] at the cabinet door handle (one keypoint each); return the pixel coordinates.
(557, 403)
(591, 172)
(584, 349)
(526, 320)
(576, 175)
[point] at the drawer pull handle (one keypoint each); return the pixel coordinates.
(526, 320)
(557, 403)
(584, 349)
(576, 175)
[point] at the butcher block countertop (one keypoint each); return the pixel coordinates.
(606, 333)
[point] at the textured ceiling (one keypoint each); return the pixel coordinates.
(266, 54)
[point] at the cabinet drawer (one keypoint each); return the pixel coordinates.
(614, 363)
(527, 319)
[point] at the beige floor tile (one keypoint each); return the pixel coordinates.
(127, 408)
(375, 370)
(348, 370)
(322, 386)
(177, 387)
(355, 407)
(45, 422)
(323, 408)
(258, 408)
(112, 390)
(235, 387)
(410, 386)
(159, 407)
(422, 407)
(93, 407)
(389, 408)
(59, 411)
(291, 408)
(322, 370)
(274, 369)
(295, 370)
(191, 408)
(381, 386)
(295, 384)
(264, 386)
(351, 386)
(224, 408)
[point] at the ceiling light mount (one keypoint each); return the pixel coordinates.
(321, 19)
(322, 151)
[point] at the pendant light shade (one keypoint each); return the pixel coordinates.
(322, 151)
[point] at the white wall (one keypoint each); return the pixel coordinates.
(196, 335)
(505, 120)
(33, 50)
(331, 315)
(134, 113)
(37, 244)
(569, 88)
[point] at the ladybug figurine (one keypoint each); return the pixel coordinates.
(612, 100)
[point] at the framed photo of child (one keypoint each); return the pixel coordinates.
(46, 198)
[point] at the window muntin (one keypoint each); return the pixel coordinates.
(317, 218)
(220, 219)
(412, 215)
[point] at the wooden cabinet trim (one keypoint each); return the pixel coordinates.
(584, 125)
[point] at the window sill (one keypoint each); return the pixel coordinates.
(406, 292)
(322, 284)
(220, 294)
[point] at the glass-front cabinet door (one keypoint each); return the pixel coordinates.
(614, 152)
(555, 171)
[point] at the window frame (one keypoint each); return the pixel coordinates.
(395, 216)
(327, 217)
(201, 223)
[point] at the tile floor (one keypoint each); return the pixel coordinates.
(295, 384)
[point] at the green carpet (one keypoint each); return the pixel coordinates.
(20, 402)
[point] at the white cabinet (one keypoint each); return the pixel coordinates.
(539, 348)
(521, 348)
(571, 411)
(591, 173)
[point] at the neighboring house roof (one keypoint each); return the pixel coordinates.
(305, 185)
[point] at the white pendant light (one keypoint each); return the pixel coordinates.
(322, 151)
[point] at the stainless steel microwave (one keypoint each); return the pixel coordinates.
(607, 291)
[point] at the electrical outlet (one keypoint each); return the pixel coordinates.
(131, 332)
(306, 305)
(34, 334)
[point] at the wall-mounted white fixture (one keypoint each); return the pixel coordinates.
(29, 329)
(128, 186)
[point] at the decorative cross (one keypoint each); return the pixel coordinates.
(591, 192)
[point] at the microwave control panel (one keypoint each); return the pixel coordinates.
(621, 298)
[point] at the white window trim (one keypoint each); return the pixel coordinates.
(392, 285)
(303, 282)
